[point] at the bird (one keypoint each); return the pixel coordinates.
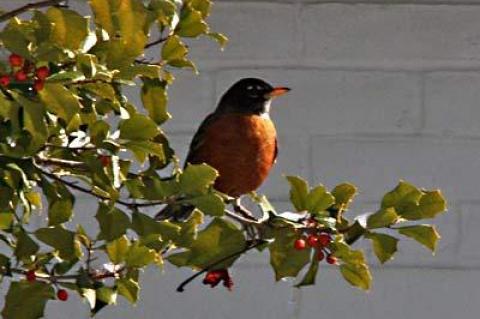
(238, 139)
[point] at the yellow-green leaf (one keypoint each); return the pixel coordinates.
(426, 235)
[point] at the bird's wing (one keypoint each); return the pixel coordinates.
(198, 138)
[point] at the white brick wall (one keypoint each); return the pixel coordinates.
(382, 90)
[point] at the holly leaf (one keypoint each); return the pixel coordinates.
(383, 218)
(298, 192)
(426, 235)
(128, 288)
(210, 204)
(196, 179)
(384, 246)
(140, 256)
(145, 225)
(357, 275)
(60, 101)
(191, 23)
(62, 240)
(284, 258)
(344, 194)
(117, 250)
(430, 205)
(26, 246)
(219, 240)
(318, 199)
(27, 300)
(113, 222)
(310, 276)
(138, 128)
(69, 29)
(154, 99)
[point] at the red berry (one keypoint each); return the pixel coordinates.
(30, 275)
(42, 72)
(320, 255)
(4, 80)
(15, 60)
(299, 244)
(21, 76)
(324, 239)
(332, 260)
(62, 295)
(312, 240)
(38, 85)
(105, 160)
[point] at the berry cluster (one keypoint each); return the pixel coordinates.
(24, 70)
(319, 242)
(214, 277)
(62, 294)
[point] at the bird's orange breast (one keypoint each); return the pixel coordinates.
(242, 148)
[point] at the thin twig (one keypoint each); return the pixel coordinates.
(99, 196)
(154, 43)
(59, 162)
(27, 7)
(250, 245)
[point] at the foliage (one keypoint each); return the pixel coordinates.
(66, 127)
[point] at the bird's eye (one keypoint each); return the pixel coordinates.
(249, 88)
(259, 87)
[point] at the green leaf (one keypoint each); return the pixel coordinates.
(125, 22)
(430, 205)
(203, 6)
(191, 24)
(383, 218)
(140, 256)
(60, 211)
(107, 295)
(344, 194)
(138, 128)
(403, 196)
(141, 149)
(69, 28)
(189, 229)
(174, 49)
(154, 99)
(113, 222)
(60, 101)
(196, 179)
(27, 300)
(298, 192)
(221, 39)
(33, 121)
(6, 220)
(357, 275)
(284, 258)
(117, 250)
(145, 225)
(26, 247)
(426, 235)
(128, 288)
(163, 11)
(62, 240)
(345, 253)
(210, 204)
(219, 240)
(318, 199)
(384, 246)
(310, 276)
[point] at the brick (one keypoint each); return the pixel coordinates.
(396, 293)
(417, 36)
(451, 102)
(331, 102)
(376, 164)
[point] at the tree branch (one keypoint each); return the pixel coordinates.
(27, 7)
(154, 43)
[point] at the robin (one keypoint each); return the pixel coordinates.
(238, 139)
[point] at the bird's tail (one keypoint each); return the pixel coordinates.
(178, 212)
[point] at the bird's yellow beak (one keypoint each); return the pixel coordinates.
(278, 91)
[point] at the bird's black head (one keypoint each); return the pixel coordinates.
(251, 96)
